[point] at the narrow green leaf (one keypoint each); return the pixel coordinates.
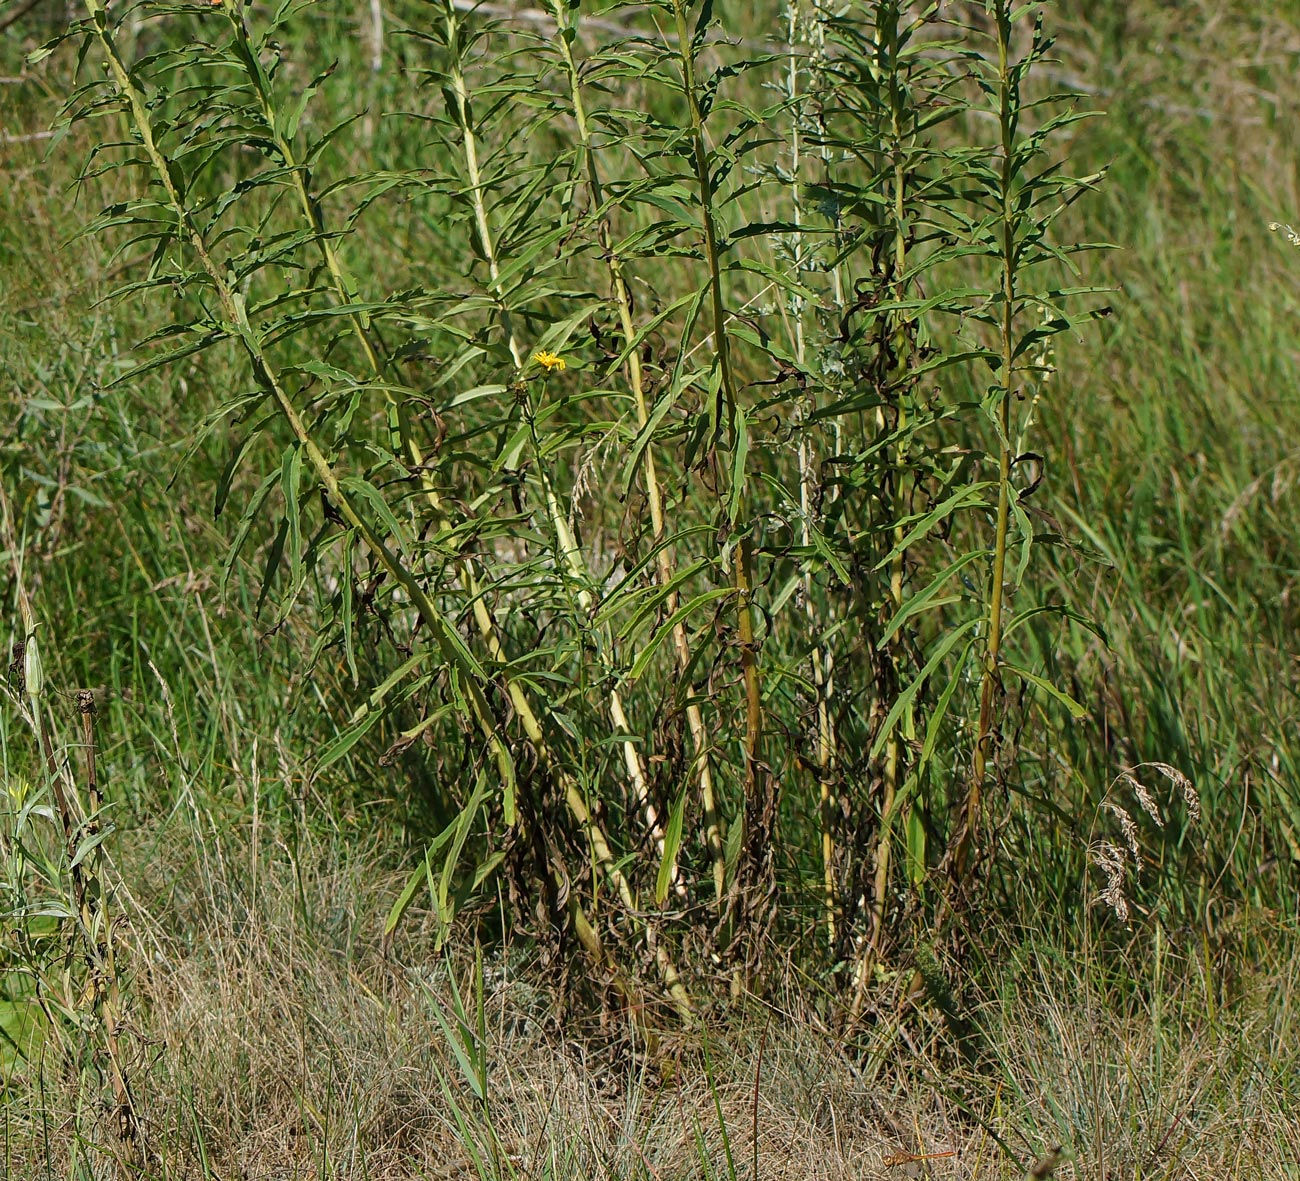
(89, 844)
(403, 903)
(672, 843)
(934, 724)
(926, 598)
(908, 695)
(374, 498)
(1076, 710)
(290, 479)
(684, 612)
(963, 498)
(739, 458)
(461, 826)
(345, 593)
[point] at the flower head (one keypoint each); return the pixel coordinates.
(551, 362)
(1292, 236)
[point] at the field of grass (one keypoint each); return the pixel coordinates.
(255, 958)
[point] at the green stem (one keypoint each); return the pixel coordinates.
(572, 559)
(232, 307)
(990, 682)
(654, 496)
(819, 659)
(897, 339)
(758, 814)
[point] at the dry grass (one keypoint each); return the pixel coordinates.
(273, 1039)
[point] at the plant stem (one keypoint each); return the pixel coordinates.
(567, 30)
(234, 312)
(758, 815)
(819, 659)
(897, 340)
(990, 681)
(570, 553)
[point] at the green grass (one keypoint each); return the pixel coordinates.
(1176, 443)
(271, 1029)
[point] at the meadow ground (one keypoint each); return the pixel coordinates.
(270, 1030)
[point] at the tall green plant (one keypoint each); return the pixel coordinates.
(1021, 194)
(663, 420)
(887, 98)
(929, 233)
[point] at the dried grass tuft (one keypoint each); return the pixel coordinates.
(277, 1041)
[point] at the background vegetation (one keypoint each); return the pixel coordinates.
(664, 677)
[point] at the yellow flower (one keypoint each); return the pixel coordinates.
(549, 361)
